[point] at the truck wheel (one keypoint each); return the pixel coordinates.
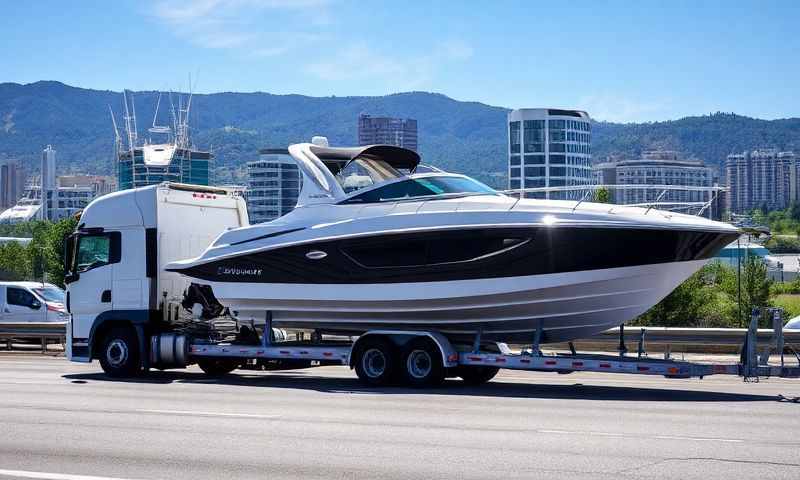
(422, 362)
(217, 366)
(477, 375)
(119, 356)
(375, 361)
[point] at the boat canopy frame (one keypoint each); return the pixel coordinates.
(319, 165)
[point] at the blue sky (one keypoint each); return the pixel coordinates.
(621, 61)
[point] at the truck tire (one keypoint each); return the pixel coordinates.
(422, 363)
(216, 367)
(477, 375)
(375, 361)
(119, 354)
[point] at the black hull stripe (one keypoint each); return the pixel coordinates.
(417, 257)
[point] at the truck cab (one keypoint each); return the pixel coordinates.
(116, 286)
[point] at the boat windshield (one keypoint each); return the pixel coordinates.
(423, 187)
(365, 172)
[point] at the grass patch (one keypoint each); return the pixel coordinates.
(789, 303)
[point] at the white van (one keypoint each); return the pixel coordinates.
(31, 302)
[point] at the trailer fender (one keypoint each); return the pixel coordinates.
(401, 337)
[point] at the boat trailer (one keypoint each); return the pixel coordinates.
(752, 366)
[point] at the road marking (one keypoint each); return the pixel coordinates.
(651, 437)
(208, 414)
(51, 476)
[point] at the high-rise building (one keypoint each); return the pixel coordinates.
(166, 155)
(182, 165)
(549, 148)
(653, 169)
(47, 180)
(12, 183)
(273, 185)
(401, 132)
(764, 178)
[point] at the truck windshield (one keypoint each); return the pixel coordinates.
(50, 294)
(93, 251)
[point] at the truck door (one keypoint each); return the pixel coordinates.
(89, 279)
(21, 306)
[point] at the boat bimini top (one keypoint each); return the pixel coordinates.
(330, 173)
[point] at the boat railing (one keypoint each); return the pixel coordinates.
(590, 192)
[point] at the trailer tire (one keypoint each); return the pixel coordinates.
(376, 361)
(477, 375)
(217, 367)
(119, 355)
(422, 363)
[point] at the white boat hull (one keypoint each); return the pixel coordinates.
(567, 305)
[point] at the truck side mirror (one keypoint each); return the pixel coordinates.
(35, 304)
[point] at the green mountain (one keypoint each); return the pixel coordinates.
(467, 137)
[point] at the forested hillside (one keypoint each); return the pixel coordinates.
(467, 137)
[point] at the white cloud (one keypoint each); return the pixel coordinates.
(359, 61)
(615, 108)
(242, 24)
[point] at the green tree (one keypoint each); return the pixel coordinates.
(706, 299)
(755, 286)
(14, 262)
(55, 241)
(42, 257)
(684, 306)
(602, 195)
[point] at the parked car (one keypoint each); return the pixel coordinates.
(31, 302)
(793, 324)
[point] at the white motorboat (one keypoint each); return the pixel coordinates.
(373, 244)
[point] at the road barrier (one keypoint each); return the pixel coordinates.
(696, 340)
(700, 340)
(44, 331)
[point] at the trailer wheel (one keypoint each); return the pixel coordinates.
(477, 375)
(422, 362)
(216, 367)
(119, 356)
(375, 361)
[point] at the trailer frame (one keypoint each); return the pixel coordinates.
(751, 366)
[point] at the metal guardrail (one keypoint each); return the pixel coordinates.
(43, 331)
(691, 336)
(696, 340)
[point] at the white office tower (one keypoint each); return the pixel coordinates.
(551, 148)
(48, 182)
(273, 184)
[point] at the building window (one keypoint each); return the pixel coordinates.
(514, 137)
(534, 171)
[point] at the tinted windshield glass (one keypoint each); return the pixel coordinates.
(365, 172)
(93, 250)
(50, 294)
(423, 187)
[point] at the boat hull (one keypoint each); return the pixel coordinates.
(567, 306)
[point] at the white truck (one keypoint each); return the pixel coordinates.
(132, 315)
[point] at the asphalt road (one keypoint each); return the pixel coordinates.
(62, 421)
